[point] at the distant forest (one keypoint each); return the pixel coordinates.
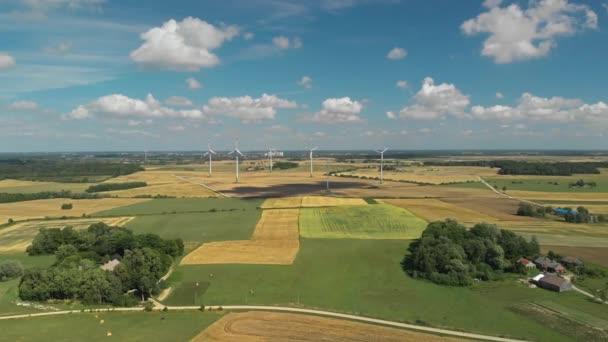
(512, 167)
(63, 170)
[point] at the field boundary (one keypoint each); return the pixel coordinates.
(509, 196)
(201, 184)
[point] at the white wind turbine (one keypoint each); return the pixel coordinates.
(209, 152)
(270, 153)
(382, 164)
(237, 153)
(313, 149)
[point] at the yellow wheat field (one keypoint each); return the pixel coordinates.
(258, 326)
(282, 202)
(17, 237)
(324, 201)
(275, 241)
(52, 207)
(437, 210)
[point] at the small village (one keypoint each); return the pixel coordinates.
(554, 275)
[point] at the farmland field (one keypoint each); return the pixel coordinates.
(183, 205)
(437, 210)
(52, 207)
(596, 255)
(428, 174)
(256, 326)
(380, 221)
(26, 187)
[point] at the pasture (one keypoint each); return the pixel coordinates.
(120, 326)
(52, 207)
(364, 277)
(258, 325)
(380, 221)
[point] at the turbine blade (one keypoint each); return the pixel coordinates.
(314, 149)
(206, 153)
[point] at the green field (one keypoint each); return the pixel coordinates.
(361, 222)
(364, 277)
(182, 205)
(144, 326)
(542, 183)
(199, 227)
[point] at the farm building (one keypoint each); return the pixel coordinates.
(110, 265)
(554, 283)
(564, 212)
(526, 263)
(571, 261)
(549, 265)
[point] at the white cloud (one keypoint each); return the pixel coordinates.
(605, 5)
(246, 108)
(435, 102)
(133, 132)
(391, 115)
(24, 106)
(193, 84)
(467, 132)
(284, 43)
(39, 7)
(123, 106)
(7, 61)
(396, 53)
(59, 49)
(402, 84)
(248, 35)
(338, 110)
(306, 82)
(319, 134)
(179, 101)
(517, 34)
(183, 46)
(491, 3)
(176, 128)
(499, 95)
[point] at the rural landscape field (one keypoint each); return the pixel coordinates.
(304, 170)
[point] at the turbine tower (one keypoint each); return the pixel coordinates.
(237, 153)
(313, 149)
(209, 152)
(382, 164)
(270, 153)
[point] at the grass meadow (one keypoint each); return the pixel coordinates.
(364, 277)
(379, 221)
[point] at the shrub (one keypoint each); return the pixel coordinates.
(10, 269)
(148, 306)
(66, 206)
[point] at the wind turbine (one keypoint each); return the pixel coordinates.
(270, 153)
(209, 152)
(237, 153)
(313, 149)
(382, 164)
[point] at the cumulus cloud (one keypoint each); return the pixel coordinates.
(179, 101)
(193, 84)
(517, 34)
(118, 105)
(284, 43)
(183, 46)
(397, 53)
(246, 108)
(402, 84)
(7, 61)
(24, 106)
(391, 115)
(435, 102)
(338, 110)
(306, 82)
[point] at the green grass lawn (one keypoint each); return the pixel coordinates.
(199, 227)
(182, 205)
(361, 222)
(364, 277)
(138, 326)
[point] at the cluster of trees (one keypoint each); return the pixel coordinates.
(19, 197)
(284, 165)
(10, 269)
(449, 254)
(76, 273)
(64, 170)
(515, 167)
(582, 184)
(526, 209)
(115, 186)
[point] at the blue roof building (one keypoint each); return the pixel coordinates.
(564, 211)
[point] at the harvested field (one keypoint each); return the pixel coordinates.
(437, 210)
(282, 202)
(559, 233)
(17, 237)
(52, 207)
(183, 189)
(502, 208)
(430, 175)
(594, 255)
(324, 201)
(275, 241)
(271, 326)
(26, 187)
(568, 196)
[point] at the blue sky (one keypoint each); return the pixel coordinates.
(343, 74)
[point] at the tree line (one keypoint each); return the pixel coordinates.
(76, 272)
(115, 186)
(449, 254)
(64, 170)
(19, 197)
(515, 167)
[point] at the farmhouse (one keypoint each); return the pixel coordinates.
(110, 265)
(553, 282)
(571, 262)
(563, 212)
(549, 265)
(526, 263)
